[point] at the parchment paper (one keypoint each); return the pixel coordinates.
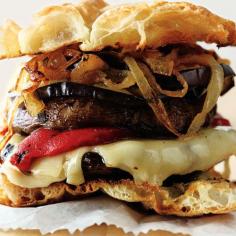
(97, 210)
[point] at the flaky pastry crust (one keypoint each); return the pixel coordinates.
(52, 28)
(135, 26)
(198, 197)
(130, 27)
(9, 44)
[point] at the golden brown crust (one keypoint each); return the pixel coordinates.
(90, 10)
(57, 26)
(202, 196)
(141, 25)
(9, 45)
(129, 27)
(52, 28)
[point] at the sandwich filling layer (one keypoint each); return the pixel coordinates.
(151, 161)
(160, 101)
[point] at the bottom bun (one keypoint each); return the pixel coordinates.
(205, 194)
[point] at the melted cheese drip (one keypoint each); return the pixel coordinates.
(150, 161)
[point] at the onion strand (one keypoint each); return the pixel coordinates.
(33, 104)
(214, 88)
(10, 118)
(127, 82)
(149, 91)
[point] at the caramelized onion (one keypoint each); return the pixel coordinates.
(178, 93)
(10, 118)
(24, 82)
(162, 65)
(88, 64)
(147, 86)
(150, 89)
(214, 88)
(33, 104)
(53, 65)
(92, 70)
(127, 82)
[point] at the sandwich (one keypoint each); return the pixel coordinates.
(120, 100)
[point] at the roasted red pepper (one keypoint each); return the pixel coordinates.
(220, 121)
(46, 143)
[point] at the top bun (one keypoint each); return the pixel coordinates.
(52, 28)
(95, 26)
(142, 25)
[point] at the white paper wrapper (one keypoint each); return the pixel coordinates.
(79, 215)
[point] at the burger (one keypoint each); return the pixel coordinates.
(120, 100)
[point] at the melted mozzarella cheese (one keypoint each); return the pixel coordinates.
(150, 161)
